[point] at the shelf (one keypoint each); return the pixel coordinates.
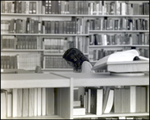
(104, 79)
(59, 69)
(71, 15)
(117, 31)
(114, 46)
(59, 54)
(32, 80)
(36, 34)
(38, 117)
(112, 115)
(22, 50)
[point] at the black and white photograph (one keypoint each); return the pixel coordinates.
(66, 59)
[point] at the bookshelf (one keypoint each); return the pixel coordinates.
(66, 83)
(83, 40)
(83, 15)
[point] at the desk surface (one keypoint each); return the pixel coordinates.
(104, 79)
(33, 80)
(62, 79)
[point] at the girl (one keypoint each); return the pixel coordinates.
(77, 60)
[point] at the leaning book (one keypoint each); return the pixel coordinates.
(128, 61)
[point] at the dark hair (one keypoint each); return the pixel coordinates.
(75, 56)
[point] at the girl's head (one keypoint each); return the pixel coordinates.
(75, 58)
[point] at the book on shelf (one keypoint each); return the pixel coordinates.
(9, 62)
(107, 23)
(77, 103)
(20, 61)
(39, 101)
(108, 100)
(117, 61)
(25, 102)
(75, 7)
(78, 111)
(9, 103)
(31, 101)
(3, 105)
(19, 103)
(35, 104)
(99, 102)
(43, 101)
(50, 101)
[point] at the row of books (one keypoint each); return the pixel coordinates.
(9, 62)
(119, 39)
(30, 25)
(95, 55)
(75, 7)
(21, 61)
(99, 100)
(83, 43)
(29, 61)
(55, 62)
(27, 7)
(118, 24)
(75, 26)
(27, 25)
(60, 27)
(27, 102)
(59, 45)
(19, 42)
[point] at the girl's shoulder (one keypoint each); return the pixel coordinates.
(86, 66)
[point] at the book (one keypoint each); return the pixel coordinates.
(89, 101)
(108, 100)
(31, 102)
(125, 93)
(133, 99)
(19, 103)
(77, 103)
(78, 111)
(43, 101)
(49, 101)
(117, 100)
(35, 95)
(14, 92)
(128, 59)
(99, 102)
(39, 100)
(9, 104)
(3, 105)
(147, 98)
(25, 102)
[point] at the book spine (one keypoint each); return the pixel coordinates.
(9, 105)
(25, 98)
(3, 105)
(43, 101)
(14, 102)
(35, 101)
(39, 102)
